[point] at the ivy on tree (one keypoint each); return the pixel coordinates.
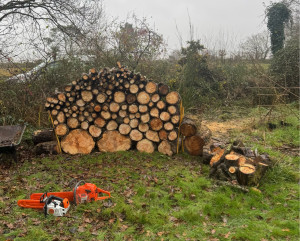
(278, 15)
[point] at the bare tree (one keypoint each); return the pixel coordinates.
(28, 22)
(257, 46)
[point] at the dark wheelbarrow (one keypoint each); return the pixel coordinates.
(10, 138)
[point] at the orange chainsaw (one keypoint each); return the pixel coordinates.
(80, 194)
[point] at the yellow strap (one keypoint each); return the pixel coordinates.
(57, 139)
(180, 120)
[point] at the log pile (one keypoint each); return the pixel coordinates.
(193, 137)
(45, 142)
(115, 110)
(239, 164)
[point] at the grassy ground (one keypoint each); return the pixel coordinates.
(155, 197)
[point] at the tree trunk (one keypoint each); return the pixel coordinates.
(78, 142)
(194, 145)
(145, 146)
(113, 141)
(45, 135)
(49, 147)
(188, 127)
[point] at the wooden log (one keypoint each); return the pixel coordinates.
(143, 98)
(145, 118)
(154, 112)
(231, 160)
(246, 174)
(194, 145)
(145, 146)
(61, 118)
(112, 125)
(166, 148)
(61, 129)
(124, 107)
(114, 107)
(68, 88)
(134, 123)
(156, 124)
(130, 98)
(113, 141)
(135, 135)
(100, 122)
(163, 135)
(172, 136)
(72, 122)
(97, 108)
(124, 129)
(44, 135)
(218, 152)
(133, 108)
(131, 116)
(151, 87)
(133, 89)
(161, 105)
(188, 127)
(52, 100)
(80, 103)
(54, 112)
(101, 98)
(49, 147)
(163, 89)
(126, 120)
(155, 98)
(175, 119)
(61, 97)
(86, 96)
(143, 108)
(150, 104)
(165, 116)
(172, 109)
(122, 113)
(119, 97)
(205, 133)
(172, 98)
(95, 131)
(143, 127)
(105, 115)
(78, 142)
(152, 136)
(168, 126)
(84, 125)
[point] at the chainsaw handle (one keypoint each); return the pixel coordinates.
(103, 191)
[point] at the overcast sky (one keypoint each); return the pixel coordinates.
(215, 22)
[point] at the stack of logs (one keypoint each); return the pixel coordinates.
(118, 110)
(194, 137)
(239, 164)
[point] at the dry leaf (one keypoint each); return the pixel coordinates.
(285, 230)
(213, 231)
(160, 233)
(227, 235)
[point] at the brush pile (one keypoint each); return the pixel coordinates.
(115, 110)
(239, 164)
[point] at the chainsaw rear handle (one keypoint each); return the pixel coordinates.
(49, 200)
(103, 191)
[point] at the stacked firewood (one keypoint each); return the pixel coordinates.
(194, 137)
(239, 164)
(115, 110)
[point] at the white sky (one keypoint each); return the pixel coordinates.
(217, 23)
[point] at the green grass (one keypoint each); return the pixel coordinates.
(155, 197)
